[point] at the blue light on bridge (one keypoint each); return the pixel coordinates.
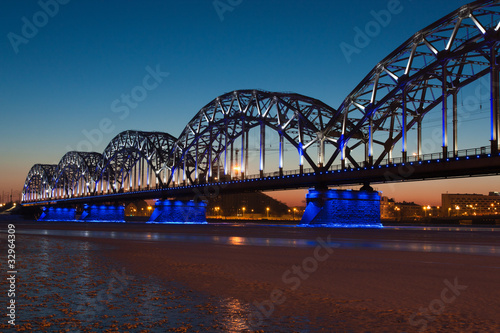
(171, 222)
(57, 214)
(343, 225)
(103, 214)
(342, 209)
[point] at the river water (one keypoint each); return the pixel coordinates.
(66, 285)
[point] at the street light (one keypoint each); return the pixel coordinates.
(243, 209)
(267, 209)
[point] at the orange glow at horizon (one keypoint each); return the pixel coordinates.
(421, 192)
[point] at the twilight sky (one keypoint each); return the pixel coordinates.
(64, 74)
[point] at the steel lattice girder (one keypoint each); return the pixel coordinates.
(452, 52)
(75, 166)
(301, 120)
(39, 179)
(398, 92)
(128, 147)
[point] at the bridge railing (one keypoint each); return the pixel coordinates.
(439, 156)
(481, 151)
(396, 160)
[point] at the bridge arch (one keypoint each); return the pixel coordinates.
(77, 174)
(205, 150)
(39, 182)
(421, 76)
(135, 160)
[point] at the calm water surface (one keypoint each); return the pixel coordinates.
(66, 285)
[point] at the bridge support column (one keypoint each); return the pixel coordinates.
(103, 213)
(179, 212)
(495, 103)
(342, 209)
(57, 214)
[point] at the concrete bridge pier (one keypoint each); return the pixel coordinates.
(342, 208)
(103, 213)
(57, 214)
(179, 212)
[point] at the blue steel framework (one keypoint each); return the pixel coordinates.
(418, 77)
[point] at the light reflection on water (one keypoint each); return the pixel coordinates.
(59, 276)
(395, 245)
(442, 228)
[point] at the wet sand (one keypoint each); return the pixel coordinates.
(324, 287)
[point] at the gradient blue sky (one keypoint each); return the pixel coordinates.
(65, 78)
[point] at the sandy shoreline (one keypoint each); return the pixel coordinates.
(337, 290)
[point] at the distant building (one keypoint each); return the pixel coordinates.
(387, 208)
(138, 208)
(409, 211)
(470, 204)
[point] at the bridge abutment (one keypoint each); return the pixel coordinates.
(103, 213)
(342, 209)
(179, 212)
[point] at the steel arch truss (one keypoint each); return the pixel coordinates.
(419, 76)
(39, 182)
(204, 149)
(77, 174)
(135, 160)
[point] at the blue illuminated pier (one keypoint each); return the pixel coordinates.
(177, 211)
(342, 209)
(103, 213)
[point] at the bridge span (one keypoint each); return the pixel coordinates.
(250, 140)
